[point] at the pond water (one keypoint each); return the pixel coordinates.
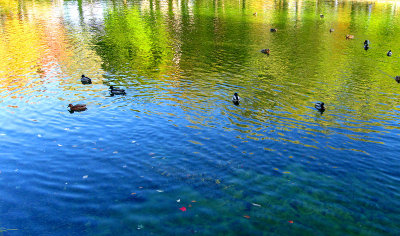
(175, 155)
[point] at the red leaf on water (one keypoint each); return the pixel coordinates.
(182, 208)
(245, 216)
(290, 221)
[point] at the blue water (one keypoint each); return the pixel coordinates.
(129, 164)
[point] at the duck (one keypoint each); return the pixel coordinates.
(77, 107)
(366, 44)
(321, 15)
(349, 36)
(331, 30)
(117, 91)
(397, 78)
(320, 106)
(389, 54)
(236, 99)
(255, 14)
(273, 30)
(86, 80)
(265, 51)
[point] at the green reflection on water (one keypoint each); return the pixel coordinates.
(133, 42)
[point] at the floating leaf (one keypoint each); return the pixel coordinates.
(85, 176)
(133, 193)
(179, 200)
(291, 221)
(217, 181)
(182, 208)
(255, 204)
(286, 172)
(246, 216)
(193, 201)
(160, 191)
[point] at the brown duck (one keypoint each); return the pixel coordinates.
(266, 51)
(77, 107)
(349, 36)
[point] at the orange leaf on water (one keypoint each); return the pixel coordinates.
(246, 216)
(291, 221)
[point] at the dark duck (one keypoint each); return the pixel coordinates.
(85, 80)
(236, 99)
(320, 106)
(366, 44)
(77, 107)
(117, 91)
(389, 54)
(265, 51)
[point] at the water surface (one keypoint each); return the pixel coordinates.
(128, 165)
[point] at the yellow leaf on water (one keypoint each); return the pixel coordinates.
(286, 172)
(217, 181)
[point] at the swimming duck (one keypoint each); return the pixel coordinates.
(265, 51)
(349, 36)
(389, 54)
(236, 99)
(320, 106)
(397, 78)
(85, 80)
(366, 44)
(117, 91)
(273, 30)
(331, 30)
(77, 107)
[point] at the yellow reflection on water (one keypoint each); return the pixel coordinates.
(36, 48)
